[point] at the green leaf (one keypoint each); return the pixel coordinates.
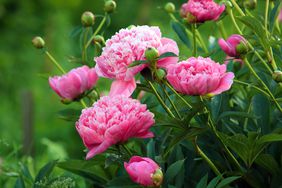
(167, 54)
(203, 182)
(122, 182)
(236, 114)
(136, 63)
(261, 109)
(257, 27)
(267, 162)
(214, 182)
(274, 137)
(181, 33)
(45, 171)
(227, 181)
(19, 183)
(173, 170)
(273, 15)
(88, 169)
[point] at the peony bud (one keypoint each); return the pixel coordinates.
(110, 6)
(144, 171)
(169, 7)
(87, 19)
(38, 42)
(234, 46)
(277, 76)
(151, 54)
(250, 4)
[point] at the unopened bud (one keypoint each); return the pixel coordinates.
(250, 4)
(242, 48)
(151, 54)
(160, 74)
(98, 39)
(87, 19)
(110, 6)
(157, 178)
(38, 42)
(131, 26)
(277, 76)
(169, 7)
(227, 3)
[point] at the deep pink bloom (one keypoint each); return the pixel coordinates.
(229, 45)
(198, 11)
(74, 83)
(199, 76)
(113, 120)
(127, 46)
(280, 16)
(142, 169)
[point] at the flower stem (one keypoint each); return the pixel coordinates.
(266, 15)
(171, 102)
(230, 12)
(177, 94)
(97, 31)
(55, 62)
(160, 100)
(84, 50)
(83, 103)
(206, 158)
(238, 7)
(262, 83)
(194, 39)
(221, 29)
(250, 85)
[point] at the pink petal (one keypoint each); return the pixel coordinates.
(120, 87)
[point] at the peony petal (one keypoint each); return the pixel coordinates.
(120, 87)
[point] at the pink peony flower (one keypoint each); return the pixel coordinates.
(144, 171)
(74, 83)
(127, 46)
(199, 76)
(229, 46)
(113, 120)
(199, 11)
(280, 16)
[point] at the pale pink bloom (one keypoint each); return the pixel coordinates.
(229, 45)
(199, 76)
(199, 11)
(113, 120)
(280, 16)
(127, 46)
(74, 83)
(141, 170)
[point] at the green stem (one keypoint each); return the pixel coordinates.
(206, 158)
(248, 43)
(222, 29)
(55, 62)
(177, 94)
(97, 31)
(171, 102)
(201, 41)
(237, 7)
(160, 99)
(213, 128)
(194, 40)
(266, 15)
(250, 85)
(84, 50)
(263, 84)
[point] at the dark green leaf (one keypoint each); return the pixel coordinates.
(181, 33)
(236, 114)
(214, 182)
(271, 138)
(173, 170)
(136, 63)
(121, 182)
(203, 182)
(45, 171)
(273, 15)
(69, 114)
(167, 54)
(267, 162)
(261, 109)
(227, 181)
(19, 183)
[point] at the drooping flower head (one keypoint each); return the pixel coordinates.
(127, 46)
(230, 45)
(113, 120)
(144, 171)
(199, 11)
(74, 83)
(199, 76)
